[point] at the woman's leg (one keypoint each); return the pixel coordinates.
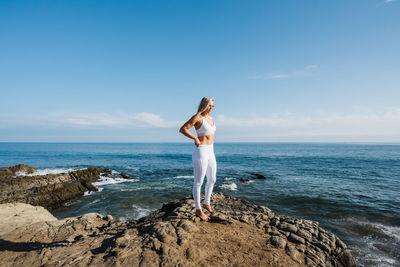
(199, 171)
(211, 174)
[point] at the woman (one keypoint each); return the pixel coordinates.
(204, 163)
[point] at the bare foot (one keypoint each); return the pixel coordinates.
(202, 215)
(208, 207)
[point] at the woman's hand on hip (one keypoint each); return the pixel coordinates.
(197, 142)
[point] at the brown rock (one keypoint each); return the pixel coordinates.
(295, 238)
(50, 191)
(166, 237)
(278, 241)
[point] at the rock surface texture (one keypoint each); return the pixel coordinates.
(239, 234)
(50, 191)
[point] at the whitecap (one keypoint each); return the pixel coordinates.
(87, 193)
(184, 176)
(140, 212)
(107, 180)
(229, 178)
(132, 168)
(231, 186)
(392, 231)
(48, 171)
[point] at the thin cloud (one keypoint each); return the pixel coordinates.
(326, 125)
(386, 2)
(117, 120)
(295, 73)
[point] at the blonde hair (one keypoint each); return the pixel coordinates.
(204, 104)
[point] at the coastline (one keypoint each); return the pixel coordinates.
(168, 236)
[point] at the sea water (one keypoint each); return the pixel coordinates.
(353, 190)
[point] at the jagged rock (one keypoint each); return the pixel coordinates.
(51, 190)
(295, 238)
(172, 236)
(278, 241)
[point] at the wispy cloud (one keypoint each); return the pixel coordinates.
(317, 125)
(285, 75)
(385, 2)
(115, 120)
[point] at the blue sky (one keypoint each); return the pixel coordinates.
(134, 71)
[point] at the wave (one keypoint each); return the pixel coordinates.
(48, 171)
(231, 186)
(108, 180)
(376, 243)
(137, 213)
(141, 212)
(184, 176)
(132, 168)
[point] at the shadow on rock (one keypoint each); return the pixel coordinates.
(28, 246)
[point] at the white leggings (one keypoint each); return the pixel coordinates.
(204, 164)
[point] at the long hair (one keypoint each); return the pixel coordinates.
(204, 104)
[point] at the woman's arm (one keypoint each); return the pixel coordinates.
(189, 124)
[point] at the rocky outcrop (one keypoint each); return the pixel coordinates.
(239, 234)
(50, 191)
(15, 215)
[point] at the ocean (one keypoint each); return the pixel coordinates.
(353, 190)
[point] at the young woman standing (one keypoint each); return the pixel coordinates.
(204, 163)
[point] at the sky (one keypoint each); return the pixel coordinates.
(135, 71)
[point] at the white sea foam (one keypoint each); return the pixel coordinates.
(88, 193)
(132, 168)
(231, 186)
(107, 180)
(184, 176)
(371, 252)
(392, 231)
(140, 212)
(229, 178)
(48, 171)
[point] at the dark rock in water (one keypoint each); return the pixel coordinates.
(20, 168)
(244, 180)
(50, 190)
(258, 176)
(125, 176)
(239, 234)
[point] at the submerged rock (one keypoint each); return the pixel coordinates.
(258, 176)
(239, 234)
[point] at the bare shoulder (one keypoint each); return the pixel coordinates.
(195, 118)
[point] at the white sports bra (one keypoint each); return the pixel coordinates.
(206, 128)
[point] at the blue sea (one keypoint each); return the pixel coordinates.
(353, 190)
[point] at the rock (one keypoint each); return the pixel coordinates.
(22, 168)
(258, 176)
(169, 237)
(295, 238)
(15, 215)
(278, 241)
(323, 246)
(288, 227)
(293, 253)
(50, 191)
(347, 259)
(304, 234)
(340, 244)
